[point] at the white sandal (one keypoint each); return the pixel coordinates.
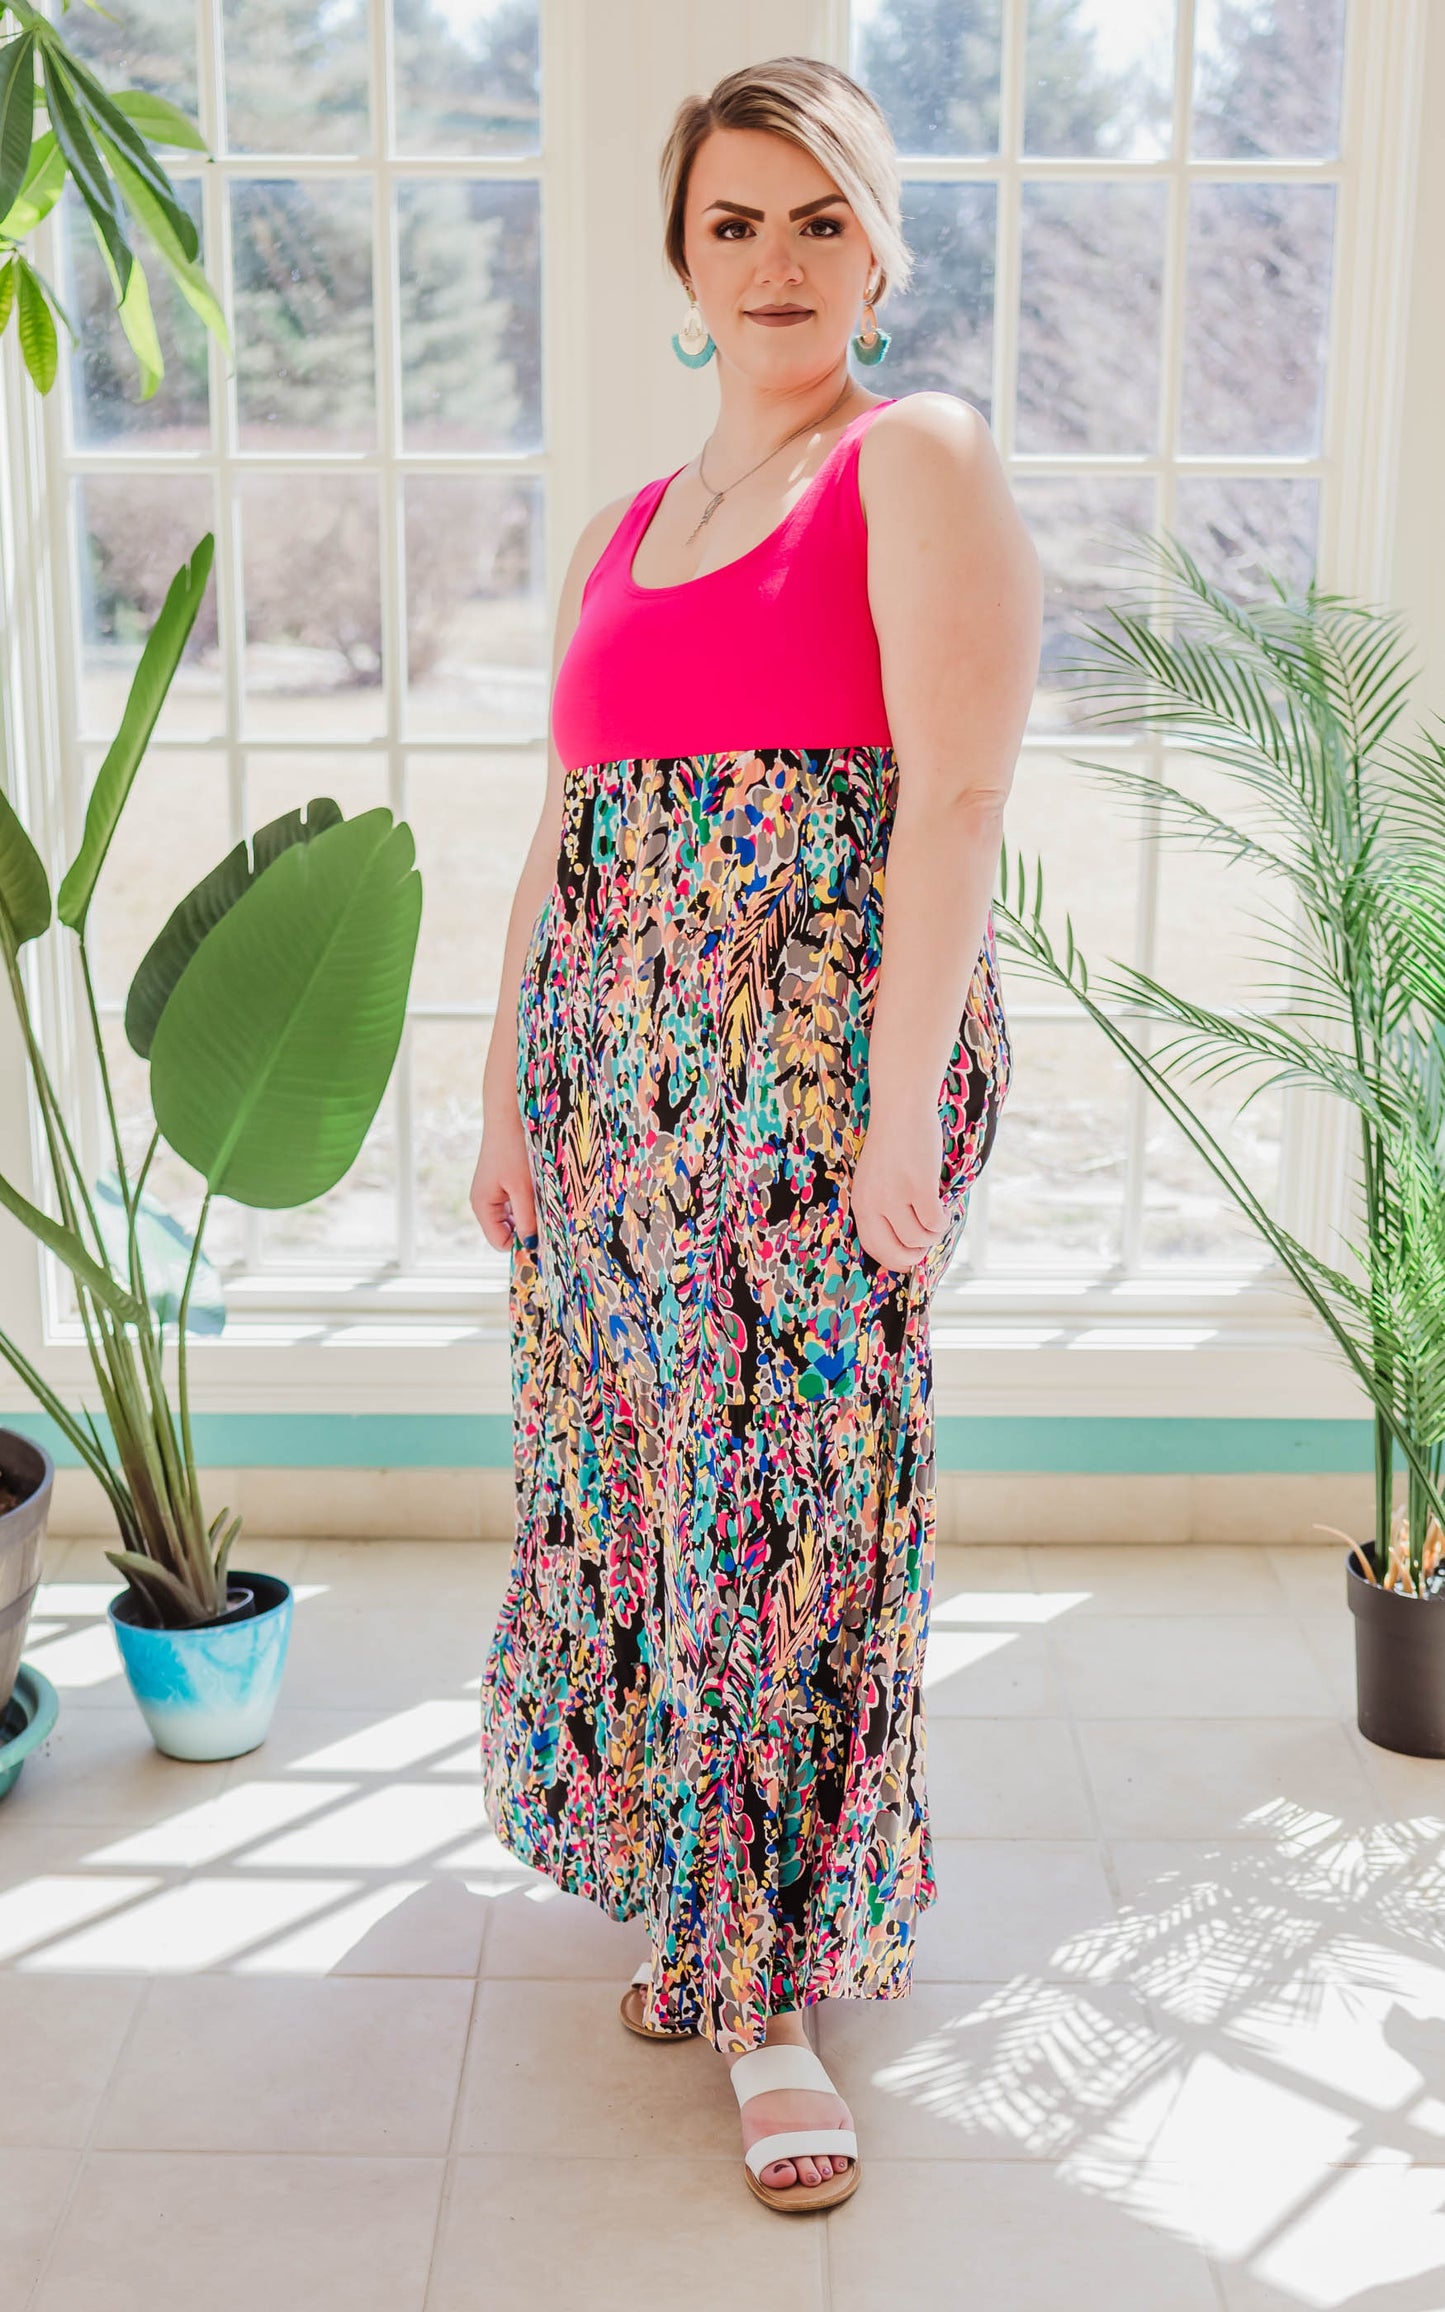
(631, 2008)
(760, 2073)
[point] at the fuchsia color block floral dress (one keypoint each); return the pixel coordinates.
(701, 1707)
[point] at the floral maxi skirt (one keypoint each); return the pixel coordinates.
(701, 1705)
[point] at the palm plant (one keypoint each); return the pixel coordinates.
(270, 1007)
(1298, 699)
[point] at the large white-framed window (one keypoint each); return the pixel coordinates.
(389, 420)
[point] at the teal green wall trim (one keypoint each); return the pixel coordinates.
(1021, 1443)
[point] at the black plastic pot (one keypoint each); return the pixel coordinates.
(27, 1469)
(1399, 1666)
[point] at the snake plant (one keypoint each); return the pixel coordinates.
(270, 1007)
(1298, 698)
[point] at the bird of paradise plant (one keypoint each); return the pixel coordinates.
(1298, 698)
(270, 1007)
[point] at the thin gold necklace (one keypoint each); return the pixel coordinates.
(718, 495)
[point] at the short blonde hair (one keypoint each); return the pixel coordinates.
(825, 112)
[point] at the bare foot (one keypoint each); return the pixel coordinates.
(789, 2107)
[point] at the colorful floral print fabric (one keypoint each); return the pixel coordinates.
(701, 1706)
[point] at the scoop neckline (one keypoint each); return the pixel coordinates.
(679, 585)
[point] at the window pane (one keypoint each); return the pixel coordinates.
(296, 76)
(175, 828)
(478, 654)
(933, 65)
(179, 1188)
(1240, 531)
(470, 295)
(1267, 79)
(276, 782)
(304, 361)
(1093, 259)
(133, 532)
(467, 76)
(1188, 1216)
(1080, 528)
(474, 817)
(105, 383)
(1100, 78)
(313, 662)
(448, 1057)
(147, 44)
(1056, 1175)
(1089, 842)
(942, 324)
(1256, 309)
(1214, 912)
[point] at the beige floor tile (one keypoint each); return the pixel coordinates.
(560, 1937)
(367, 1745)
(1371, 2238)
(1223, 1778)
(100, 1767)
(346, 1655)
(1006, 1778)
(1144, 1578)
(60, 2044)
(551, 2071)
(1012, 1906)
(327, 2064)
(1005, 2236)
(1312, 1576)
(979, 1667)
(638, 2234)
(434, 1575)
(166, 2231)
(1330, 1638)
(961, 1567)
(1018, 2070)
(1198, 1665)
(33, 2187)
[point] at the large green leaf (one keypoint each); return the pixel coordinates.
(43, 185)
(165, 1247)
(17, 115)
(159, 123)
(24, 891)
(133, 310)
(152, 218)
(104, 116)
(72, 132)
(274, 1050)
(158, 663)
(201, 910)
(36, 325)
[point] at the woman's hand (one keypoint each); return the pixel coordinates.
(501, 1193)
(897, 1209)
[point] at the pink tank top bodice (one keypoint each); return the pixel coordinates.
(775, 649)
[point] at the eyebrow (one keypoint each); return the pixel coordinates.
(736, 207)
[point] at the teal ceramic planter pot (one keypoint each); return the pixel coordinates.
(24, 1722)
(209, 1692)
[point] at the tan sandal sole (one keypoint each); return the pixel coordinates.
(805, 2199)
(630, 2009)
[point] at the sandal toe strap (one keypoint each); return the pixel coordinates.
(800, 2142)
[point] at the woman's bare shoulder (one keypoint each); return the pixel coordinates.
(921, 432)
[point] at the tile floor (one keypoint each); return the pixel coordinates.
(295, 2031)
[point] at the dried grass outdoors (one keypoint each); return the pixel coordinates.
(1297, 699)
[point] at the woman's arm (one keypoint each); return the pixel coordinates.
(956, 593)
(501, 1191)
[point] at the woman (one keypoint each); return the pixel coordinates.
(731, 1140)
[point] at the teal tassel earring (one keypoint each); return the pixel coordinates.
(692, 343)
(871, 342)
